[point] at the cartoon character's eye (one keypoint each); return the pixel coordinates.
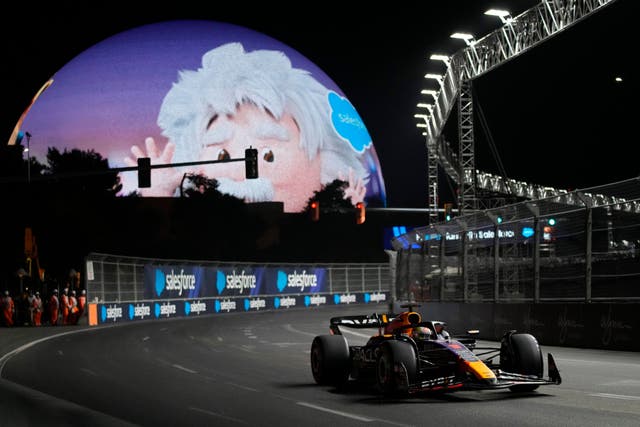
(223, 155)
(268, 155)
(212, 120)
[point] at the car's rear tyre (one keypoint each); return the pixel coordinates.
(393, 353)
(522, 355)
(330, 360)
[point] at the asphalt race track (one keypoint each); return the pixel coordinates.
(253, 369)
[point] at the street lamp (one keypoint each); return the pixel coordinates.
(504, 15)
(468, 38)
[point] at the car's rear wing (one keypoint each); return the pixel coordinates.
(358, 322)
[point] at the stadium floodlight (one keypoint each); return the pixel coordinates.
(437, 77)
(421, 116)
(427, 106)
(424, 134)
(504, 15)
(429, 92)
(468, 38)
(440, 57)
(421, 125)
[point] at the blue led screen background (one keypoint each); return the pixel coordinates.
(108, 98)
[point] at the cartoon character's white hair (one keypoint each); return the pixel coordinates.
(229, 76)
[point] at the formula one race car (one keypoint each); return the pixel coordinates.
(400, 361)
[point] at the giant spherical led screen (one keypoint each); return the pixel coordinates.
(193, 96)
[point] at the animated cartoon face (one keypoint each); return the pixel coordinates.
(285, 171)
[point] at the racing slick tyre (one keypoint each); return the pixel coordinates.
(393, 353)
(522, 355)
(330, 360)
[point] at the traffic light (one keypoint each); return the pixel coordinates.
(548, 231)
(144, 172)
(251, 163)
(448, 208)
(360, 212)
(314, 210)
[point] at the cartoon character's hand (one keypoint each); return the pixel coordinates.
(164, 181)
(356, 189)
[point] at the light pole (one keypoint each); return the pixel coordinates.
(28, 135)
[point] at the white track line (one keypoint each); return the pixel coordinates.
(215, 414)
(182, 368)
(340, 413)
(615, 396)
(4, 359)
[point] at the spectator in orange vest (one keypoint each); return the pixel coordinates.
(82, 303)
(37, 309)
(54, 308)
(73, 308)
(65, 303)
(8, 308)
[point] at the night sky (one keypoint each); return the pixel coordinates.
(556, 114)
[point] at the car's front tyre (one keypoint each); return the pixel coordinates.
(391, 355)
(521, 354)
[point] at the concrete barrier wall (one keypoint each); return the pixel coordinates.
(610, 326)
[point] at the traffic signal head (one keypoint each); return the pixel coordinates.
(144, 172)
(314, 210)
(251, 163)
(360, 213)
(448, 209)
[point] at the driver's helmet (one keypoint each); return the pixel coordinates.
(421, 333)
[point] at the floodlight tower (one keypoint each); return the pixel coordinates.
(516, 36)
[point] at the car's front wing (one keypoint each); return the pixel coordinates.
(503, 380)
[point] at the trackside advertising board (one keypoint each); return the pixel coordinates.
(187, 281)
(187, 291)
(162, 309)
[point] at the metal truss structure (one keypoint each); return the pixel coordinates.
(516, 36)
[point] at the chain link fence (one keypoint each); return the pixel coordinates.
(578, 246)
(117, 279)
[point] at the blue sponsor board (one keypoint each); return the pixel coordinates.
(115, 313)
(198, 307)
(163, 309)
(139, 311)
(254, 281)
(172, 282)
(298, 280)
(111, 313)
(244, 280)
(359, 298)
(226, 305)
(182, 281)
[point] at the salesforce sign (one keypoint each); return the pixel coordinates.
(188, 282)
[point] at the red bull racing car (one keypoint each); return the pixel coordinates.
(408, 355)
